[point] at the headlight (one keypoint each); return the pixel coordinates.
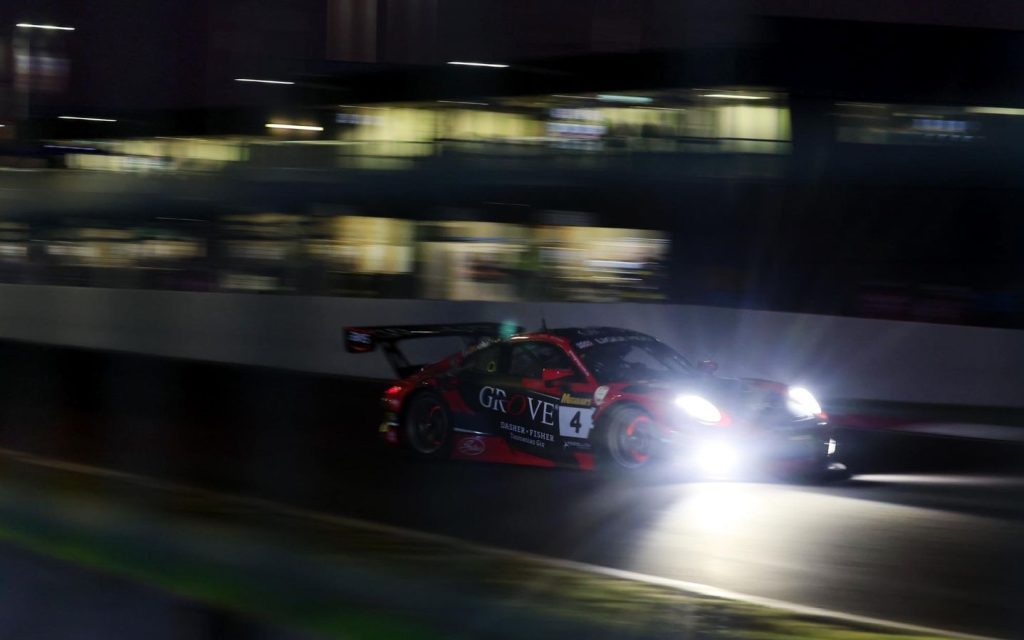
(802, 401)
(699, 408)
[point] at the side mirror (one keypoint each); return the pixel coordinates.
(707, 366)
(554, 375)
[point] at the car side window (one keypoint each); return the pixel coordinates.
(483, 361)
(529, 359)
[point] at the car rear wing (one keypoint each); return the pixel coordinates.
(367, 339)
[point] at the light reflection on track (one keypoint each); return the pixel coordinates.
(822, 547)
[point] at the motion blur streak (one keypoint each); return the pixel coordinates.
(943, 480)
(45, 27)
(478, 64)
(86, 119)
(297, 127)
(259, 81)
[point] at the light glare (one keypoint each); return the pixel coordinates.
(699, 408)
(716, 459)
(804, 400)
(296, 127)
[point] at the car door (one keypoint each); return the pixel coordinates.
(475, 385)
(543, 408)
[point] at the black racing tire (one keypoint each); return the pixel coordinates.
(427, 427)
(624, 441)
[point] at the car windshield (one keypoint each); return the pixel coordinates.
(634, 361)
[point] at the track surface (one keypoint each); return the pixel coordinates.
(916, 540)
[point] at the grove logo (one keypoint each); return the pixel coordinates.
(517, 404)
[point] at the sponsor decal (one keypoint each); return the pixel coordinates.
(584, 344)
(583, 445)
(525, 435)
(472, 446)
(517, 404)
(575, 402)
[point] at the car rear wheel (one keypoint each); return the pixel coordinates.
(626, 440)
(428, 430)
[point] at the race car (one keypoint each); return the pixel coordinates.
(592, 397)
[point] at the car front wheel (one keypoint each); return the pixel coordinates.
(626, 440)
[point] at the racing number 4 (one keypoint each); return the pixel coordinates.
(575, 422)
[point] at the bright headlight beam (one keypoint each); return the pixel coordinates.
(805, 400)
(699, 408)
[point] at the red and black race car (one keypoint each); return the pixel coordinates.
(591, 397)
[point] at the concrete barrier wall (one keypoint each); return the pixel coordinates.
(836, 357)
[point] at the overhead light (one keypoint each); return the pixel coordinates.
(479, 104)
(733, 96)
(609, 97)
(260, 81)
(85, 118)
(478, 64)
(296, 127)
(995, 111)
(49, 27)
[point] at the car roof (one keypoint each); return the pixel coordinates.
(582, 333)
